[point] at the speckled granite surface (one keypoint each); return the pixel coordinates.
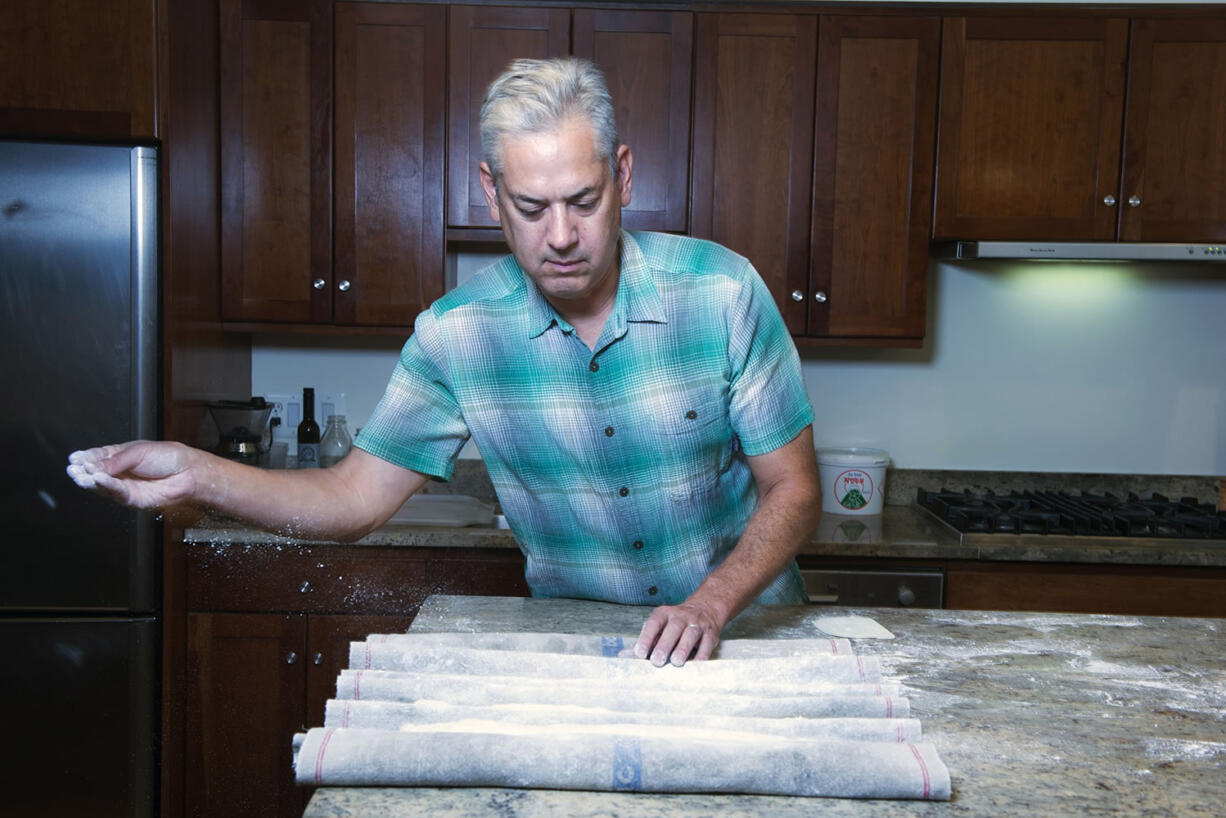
(898, 532)
(1035, 714)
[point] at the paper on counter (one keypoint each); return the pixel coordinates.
(852, 627)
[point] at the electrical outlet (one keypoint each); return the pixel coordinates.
(282, 407)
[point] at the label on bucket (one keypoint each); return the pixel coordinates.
(853, 489)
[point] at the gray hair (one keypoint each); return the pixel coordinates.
(532, 96)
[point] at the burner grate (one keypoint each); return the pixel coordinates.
(1084, 514)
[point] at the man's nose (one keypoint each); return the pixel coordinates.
(562, 231)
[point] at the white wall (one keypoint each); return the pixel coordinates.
(1027, 366)
(1044, 366)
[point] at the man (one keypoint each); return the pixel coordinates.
(636, 398)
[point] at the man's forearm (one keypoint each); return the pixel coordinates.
(787, 514)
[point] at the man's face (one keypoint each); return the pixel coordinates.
(560, 210)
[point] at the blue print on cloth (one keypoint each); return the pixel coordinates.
(610, 646)
(627, 766)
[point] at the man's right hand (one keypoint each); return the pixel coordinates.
(140, 473)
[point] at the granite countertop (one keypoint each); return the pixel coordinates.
(1034, 714)
(899, 532)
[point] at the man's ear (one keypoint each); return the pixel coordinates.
(490, 188)
(625, 170)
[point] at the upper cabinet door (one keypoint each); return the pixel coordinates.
(390, 102)
(1174, 186)
(276, 160)
(645, 57)
(78, 68)
(752, 174)
(1030, 124)
(872, 199)
(484, 40)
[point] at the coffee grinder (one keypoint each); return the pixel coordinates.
(242, 428)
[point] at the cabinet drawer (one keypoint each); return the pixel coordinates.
(323, 579)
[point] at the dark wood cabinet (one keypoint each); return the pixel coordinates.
(1174, 178)
(1034, 113)
(873, 171)
(246, 699)
(1103, 589)
(276, 160)
(390, 102)
(751, 180)
(79, 68)
(1030, 118)
(483, 41)
(830, 200)
(646, 59)
(322, 122)
(268, 632)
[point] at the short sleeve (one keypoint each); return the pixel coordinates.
(418, 424)
(768, 403)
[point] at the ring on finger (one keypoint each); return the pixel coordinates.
(694, 625)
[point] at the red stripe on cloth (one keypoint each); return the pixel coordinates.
(834, 646)
(345, 718)
(368, 654)
(923, 769)
(860, 664)
(319, 757)
(357, 685)
(901, 738)
(889, 707)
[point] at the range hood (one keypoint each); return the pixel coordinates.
(1076, 251)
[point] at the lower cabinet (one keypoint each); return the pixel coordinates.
(268, 631)
(1066, 588)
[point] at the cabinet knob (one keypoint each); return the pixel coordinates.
(318, 658)
(797, 295)
(1109, 200)
(304, 588)
(343, 285)
(291, 658)
(905, 595)
(318, 283)
(820, 297)
(1134, 201)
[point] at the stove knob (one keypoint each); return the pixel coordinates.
(905, 595)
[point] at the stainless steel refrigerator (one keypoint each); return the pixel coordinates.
(80, 586)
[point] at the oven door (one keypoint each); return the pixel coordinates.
(875, 588)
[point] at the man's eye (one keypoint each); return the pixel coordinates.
(531, 212)
(587, 205)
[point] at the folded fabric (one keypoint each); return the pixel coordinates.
(428, 714)
(635, 759)
(725, 674)
(812, 701)
(586, 645)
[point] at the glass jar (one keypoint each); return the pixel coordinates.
(335, 443)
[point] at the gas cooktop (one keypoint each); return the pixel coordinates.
(1078, 515)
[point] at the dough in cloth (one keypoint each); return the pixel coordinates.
(567, 712)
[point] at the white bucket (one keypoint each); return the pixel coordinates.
(853, 480)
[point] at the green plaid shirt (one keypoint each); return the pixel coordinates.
(621, 472)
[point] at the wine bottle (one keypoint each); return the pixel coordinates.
(308, 432)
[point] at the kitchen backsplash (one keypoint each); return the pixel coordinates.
(1073, 368)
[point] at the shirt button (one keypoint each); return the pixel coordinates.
(593, 366)
(638, 545)
(691, 414)
(608, 431)
(653, 590)
(623, 491)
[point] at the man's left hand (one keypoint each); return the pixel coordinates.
(673, 632)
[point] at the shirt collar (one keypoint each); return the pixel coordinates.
(637, 297)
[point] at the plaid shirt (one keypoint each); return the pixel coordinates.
(622, 471)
